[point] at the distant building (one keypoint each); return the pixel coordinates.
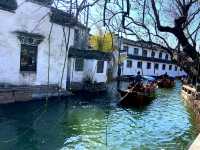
(148, 58)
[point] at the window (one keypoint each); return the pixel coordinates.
(175, 68)
(100, 66)
(170, 67)
(163, 67)
(152, 54)
(28, 58)
(144, 53)
(148, 65)
(156, 66)
(79, 64)
(129, 64)
(166, 56)
(29, 48)
(139, 64)
(136, 51)
(160, 55)
(76, 35)
(125, 48)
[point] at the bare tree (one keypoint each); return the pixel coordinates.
(172, 24)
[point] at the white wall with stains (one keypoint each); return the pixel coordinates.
(32, 18)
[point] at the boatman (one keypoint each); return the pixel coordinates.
(138, 78)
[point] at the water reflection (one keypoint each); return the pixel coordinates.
(97, 122)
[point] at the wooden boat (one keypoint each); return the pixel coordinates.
(166, 83)
(137, 98)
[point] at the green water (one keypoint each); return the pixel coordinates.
(97, 123)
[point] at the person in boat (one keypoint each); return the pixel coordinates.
(138, 78)
(165, 75)
(138, 82)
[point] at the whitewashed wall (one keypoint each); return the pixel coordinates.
(90, 69)
(26, 18)
(150, 72)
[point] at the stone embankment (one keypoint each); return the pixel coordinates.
(13, 94)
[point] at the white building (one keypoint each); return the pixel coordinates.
(87, 66)
(148, 58)
(27, 47)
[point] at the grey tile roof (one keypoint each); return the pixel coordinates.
(143, 44)
(42, 2)
(9, 5)
(89, 54)
(63, 18)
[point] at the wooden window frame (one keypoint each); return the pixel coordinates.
(29, 67)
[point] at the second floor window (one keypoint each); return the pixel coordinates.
(144, 53)
(160, 55)
(139, 64)
(79, 64)
(129, 64)
(152, 54)
(136, 51)
(166, 56)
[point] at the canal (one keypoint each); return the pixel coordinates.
(97, 123)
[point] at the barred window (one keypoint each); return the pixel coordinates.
(129, 64)
(100, 66)
(29, 48)
(28, 58)
(79, 64)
